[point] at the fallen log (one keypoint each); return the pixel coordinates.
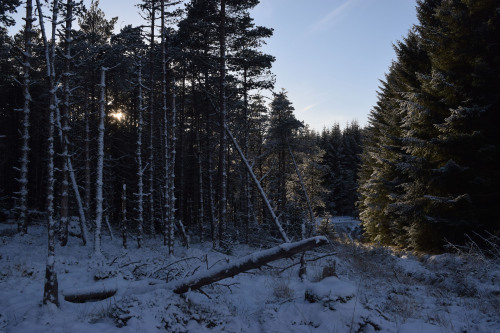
(89, 296)
(251, 261)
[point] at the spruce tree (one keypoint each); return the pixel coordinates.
(451, 136)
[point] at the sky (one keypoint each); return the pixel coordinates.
(330, 54)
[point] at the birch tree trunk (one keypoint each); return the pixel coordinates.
(50, 292)
(23, 177)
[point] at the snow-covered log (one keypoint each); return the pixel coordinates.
(254, 260)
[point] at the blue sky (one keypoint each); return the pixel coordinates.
(330, 54)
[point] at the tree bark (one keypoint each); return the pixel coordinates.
(254, 260)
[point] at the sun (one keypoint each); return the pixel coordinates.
(118, 115)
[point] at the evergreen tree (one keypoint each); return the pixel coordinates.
(448, 124)
(432, 143)
(7, 7)
(283, 128)
(331, 142)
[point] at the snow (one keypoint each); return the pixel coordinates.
(372, 289)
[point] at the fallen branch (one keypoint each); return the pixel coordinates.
(254, 260)
(308, 260)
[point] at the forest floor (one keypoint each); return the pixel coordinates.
(350, 287)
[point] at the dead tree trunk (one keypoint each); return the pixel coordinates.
(124, 216)
(50, 292)
(254, 260)
(23, 179)
(261, 190)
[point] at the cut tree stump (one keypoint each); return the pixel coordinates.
(254, 260)
(90, 296)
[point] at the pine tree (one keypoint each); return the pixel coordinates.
(283, 127)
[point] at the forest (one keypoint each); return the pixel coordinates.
(140, 124)
(173, 133)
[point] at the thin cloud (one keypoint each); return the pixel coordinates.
(309, 107)
(326, 21)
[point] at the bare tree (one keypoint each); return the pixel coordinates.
(23, 177)
(140, 170)
(100, 165)
(222, 124)
(124, 221)
(168, 227)
(50, 293)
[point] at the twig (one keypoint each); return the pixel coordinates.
(116, 258)
(204, 293)
(136, 267)
(228, 286)
(382, 315)
(175, 262)
(309, 260)
(130, 263)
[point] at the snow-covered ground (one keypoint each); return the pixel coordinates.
(372, 289)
